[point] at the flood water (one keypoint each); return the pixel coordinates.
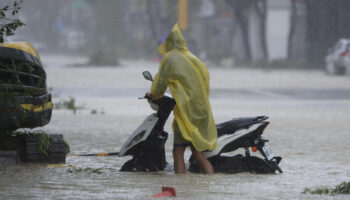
(310, 122)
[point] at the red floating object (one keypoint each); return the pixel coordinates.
(166, 192)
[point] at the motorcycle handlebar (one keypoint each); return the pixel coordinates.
(145, 97)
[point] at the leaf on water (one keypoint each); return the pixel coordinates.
(343, 188)
(85, 170)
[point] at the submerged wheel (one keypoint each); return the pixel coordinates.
(261, 166)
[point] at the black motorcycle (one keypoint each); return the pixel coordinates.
(146, 144)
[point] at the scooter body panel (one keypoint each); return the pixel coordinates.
(227, 140)
(139, 135)
(230, 127)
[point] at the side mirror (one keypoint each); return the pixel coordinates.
(147, 75)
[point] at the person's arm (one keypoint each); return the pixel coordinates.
(159, 84)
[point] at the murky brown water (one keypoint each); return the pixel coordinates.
(312, 135)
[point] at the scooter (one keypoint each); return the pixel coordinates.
(146, 144)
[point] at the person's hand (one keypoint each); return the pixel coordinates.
(148, 95)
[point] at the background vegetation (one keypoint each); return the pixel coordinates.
(218, 30)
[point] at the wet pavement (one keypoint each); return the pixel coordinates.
(309, 114)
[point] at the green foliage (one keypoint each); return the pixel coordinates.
(14, 71)
(9, 140)
(66, 147)
(95, 112)
(86, 170)
(9, 27)
(109, 31)
(44, 143)
(343, 188)
(316, 191)
(90, 170)
(12, 140)
(68, 104)
(103, 57)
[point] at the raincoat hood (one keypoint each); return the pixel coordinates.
(174, 40)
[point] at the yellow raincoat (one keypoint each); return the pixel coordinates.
(188, 80)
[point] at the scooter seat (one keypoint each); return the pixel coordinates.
(233, 125)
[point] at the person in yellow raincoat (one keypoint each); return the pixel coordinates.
(188, 80)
